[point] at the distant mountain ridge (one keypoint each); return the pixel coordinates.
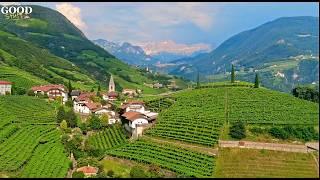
(136, 55)
(275, 41)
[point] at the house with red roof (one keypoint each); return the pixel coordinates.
(52, 91)
(5, 87)
(134, 105)
(88, 171)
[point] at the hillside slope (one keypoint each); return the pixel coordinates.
(63, 46)
(198, 115)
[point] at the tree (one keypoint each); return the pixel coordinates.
(238, 130)
(137, 172)
(256, 81)
(307, 93)
(61, 114)
(30, 93)
(232, 74)
(110, 173)
(69, 88)
(104, 119)
(92, 90)
(198, 80)
(99, 87)
(77, 174)
(103, 102)
(64, 125)
(71, 118)
(95, 122)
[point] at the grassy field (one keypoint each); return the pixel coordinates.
(122, 167)
(243, 163)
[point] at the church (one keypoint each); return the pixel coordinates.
(111, 95)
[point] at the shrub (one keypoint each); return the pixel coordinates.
(238, 130)
(78, 174)
(257, 130)
(95, 122)
(30, 93)
(137, 172)
(61, 114)
(110, 173)
(64, 125)
(278, 132)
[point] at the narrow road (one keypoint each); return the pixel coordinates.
(267, 146)
(74, 166)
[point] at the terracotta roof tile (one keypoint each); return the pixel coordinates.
(5, 82)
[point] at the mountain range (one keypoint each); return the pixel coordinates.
(149, 54)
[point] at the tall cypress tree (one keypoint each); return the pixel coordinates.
(198, 80)
(69, 88)
(256, 81)
(232, 74)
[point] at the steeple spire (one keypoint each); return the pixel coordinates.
(112, 86)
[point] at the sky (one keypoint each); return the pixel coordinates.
(185, 23)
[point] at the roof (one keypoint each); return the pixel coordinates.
(100, 108)
(113, 94)
(126, 104)
(84, 96)
(92, 106)
(46, 88)
(5, 82)
(88, 170)
(131, 115)
(75, 93)
(128, 90)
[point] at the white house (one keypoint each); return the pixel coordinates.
(135, 118)
(136, 106)
(5, 87)
(111, 114)
(52, 91)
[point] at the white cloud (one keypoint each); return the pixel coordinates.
(73, 13)
(200, 14)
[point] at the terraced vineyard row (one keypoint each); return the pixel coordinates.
(194, 117)
(182, 161)
(197, 115)
(50, 160)
(261, 106)
(108, 138)
(25, 109)
(29, 141)
(160, 104)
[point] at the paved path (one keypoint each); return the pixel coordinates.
(268, 146)
(74, 166)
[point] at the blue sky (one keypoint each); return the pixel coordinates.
(185, 23)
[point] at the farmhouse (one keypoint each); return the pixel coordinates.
(104, 110)
(157, 85)
(52, 91)
(5, 87)
(135, 118)
(88, 170)
(129, 92)
(136, 106)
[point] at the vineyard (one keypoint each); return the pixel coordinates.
(182, 161)
(29, 141)
(160, 104)
(108, 138)
(197, 115)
